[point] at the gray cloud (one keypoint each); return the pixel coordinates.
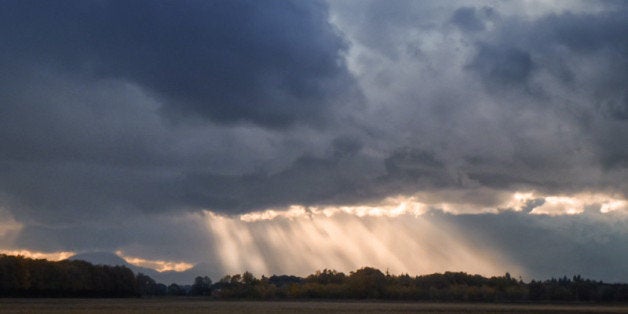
(467, 19)
(104, 139)
(502, 67)
(536, 119)
(308, 180)
(590, 244)
(113, 110)
(272, 63)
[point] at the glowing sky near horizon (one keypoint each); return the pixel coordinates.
(301, 245)
(399, 235)
(393, 235)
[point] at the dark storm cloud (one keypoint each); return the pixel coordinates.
(271, 63)
(85, 82)
(467, 19)
(584, 32)
(600, 37)
(501, 67)
(569, 67)
(416, 168)
(517, 46)
(308, 180)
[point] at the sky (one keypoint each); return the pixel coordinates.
(291, 136)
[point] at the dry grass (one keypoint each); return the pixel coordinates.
(184, 305)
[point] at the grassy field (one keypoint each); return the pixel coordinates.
(181, 305)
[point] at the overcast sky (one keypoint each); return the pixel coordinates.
(147, 127)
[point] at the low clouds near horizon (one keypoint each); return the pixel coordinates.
(115, 114)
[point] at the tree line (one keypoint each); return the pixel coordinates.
(25, 277)
(371, 283)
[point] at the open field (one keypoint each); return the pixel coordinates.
(180, 305)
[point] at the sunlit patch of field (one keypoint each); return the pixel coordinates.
(187, 305)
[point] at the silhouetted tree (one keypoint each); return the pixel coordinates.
(201, 286)
(175, 290)
(21, 276)
(146, 285)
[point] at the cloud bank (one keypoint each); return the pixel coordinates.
(124, 122)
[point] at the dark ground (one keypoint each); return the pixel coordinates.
(192, 305)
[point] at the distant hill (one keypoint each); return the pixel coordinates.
(166, 277)
(101, 258)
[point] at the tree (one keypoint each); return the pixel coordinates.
(366, 283)
(174, 289)
(201, 286)
(146, 285)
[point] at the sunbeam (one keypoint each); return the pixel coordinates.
(301, 244)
